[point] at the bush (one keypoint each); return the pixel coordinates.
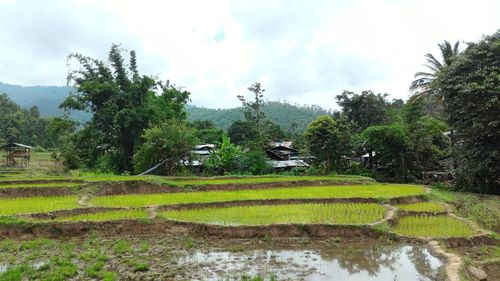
(255, 162)
(357, 169)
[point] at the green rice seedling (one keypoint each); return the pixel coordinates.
(107, 216)
(423, 207)
(380, 191)
(24, 205)
(350, 213)
(433, 226)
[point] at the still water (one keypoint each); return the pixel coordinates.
(351, 262)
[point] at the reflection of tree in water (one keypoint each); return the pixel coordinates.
(420, 259)
(369, 259)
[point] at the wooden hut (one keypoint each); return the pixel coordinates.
(16, 155)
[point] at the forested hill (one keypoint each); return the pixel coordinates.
(281, 113)
(48, 99)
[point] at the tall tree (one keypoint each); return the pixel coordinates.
(470, 88)
(421, 86)
(363, 110)
(123, 104)
(170, 142)
(329, 141)
(253, 113)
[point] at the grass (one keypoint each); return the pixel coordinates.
(422, 207)
(483, 209)
(353, 213)
(433, 226)
(23, 205)
(107, 216)
(379, 191)
(31, 185)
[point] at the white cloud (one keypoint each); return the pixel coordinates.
(301, 51)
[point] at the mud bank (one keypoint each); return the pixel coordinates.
(28, 181)
(37, 191)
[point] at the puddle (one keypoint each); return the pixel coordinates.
(4, 267)
(400, 262)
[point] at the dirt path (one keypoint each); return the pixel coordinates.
(152, 212)
(388, 216)
(84, 201)
(453, 262)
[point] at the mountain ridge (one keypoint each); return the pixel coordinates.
(48, 99)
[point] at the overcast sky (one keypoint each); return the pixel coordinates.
(304, 51)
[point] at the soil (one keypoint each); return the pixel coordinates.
(35, 191)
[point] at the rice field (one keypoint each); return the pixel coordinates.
(354, 213)
(379, 191)
(268, 179)
(25, 205)
(433, 226)
(422, 207)
(107, 216)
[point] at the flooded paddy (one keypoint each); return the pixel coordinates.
(345, 262)
(189, 258)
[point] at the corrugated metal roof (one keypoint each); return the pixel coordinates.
(13, 144)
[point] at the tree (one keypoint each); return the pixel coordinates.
(170, 142)
(254, 113)
(421, 86)
(390, 144)
(123, 104)
(207, 132)
(241, 132)
(224, 159)
(329, 141)
(470, 89)
(363, 110)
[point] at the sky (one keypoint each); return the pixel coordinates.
(301, 51)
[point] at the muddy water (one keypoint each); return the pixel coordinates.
(394, 262)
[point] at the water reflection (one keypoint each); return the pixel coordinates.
(395, 262)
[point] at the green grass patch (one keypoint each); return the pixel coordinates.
(433, 226)
(422, 207)
(354, 213)
(24, 205)
(107, 216)
(379, 191)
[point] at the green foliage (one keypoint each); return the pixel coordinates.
(241, 132)
(363, 110)
(469, 87)
(293, 118)
(123, 104)
(22, 125)
(170, 142)
(329, 140)
(122, 247)
(206, 132)
(225, 158)
(390, 143)
(255, 162)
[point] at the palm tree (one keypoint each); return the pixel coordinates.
(421, 87)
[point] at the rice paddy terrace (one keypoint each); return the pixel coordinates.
(265, 207)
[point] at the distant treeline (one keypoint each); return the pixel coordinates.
(288, 116)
